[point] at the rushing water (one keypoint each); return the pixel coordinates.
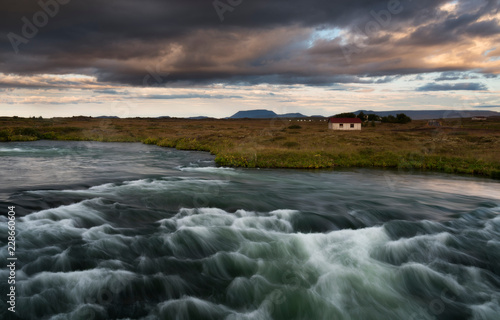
(129, 231)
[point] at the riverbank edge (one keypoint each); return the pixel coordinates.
(274, 158)
(297, 159)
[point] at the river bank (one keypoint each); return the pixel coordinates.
(458, 146)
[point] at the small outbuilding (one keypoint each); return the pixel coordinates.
(434, 123)
(478, 118)
(344, 124)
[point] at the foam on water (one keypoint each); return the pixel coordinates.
(136, 187)
(216, 170)
(15, 149)
(255, 263)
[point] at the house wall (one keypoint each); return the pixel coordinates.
(347, 126)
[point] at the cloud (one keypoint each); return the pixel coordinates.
(189, 96)
(48, 81)
(56, 100)
(184, 43)
(448, 87)
(490, 76)
(484, 28)
(452, 75)
(109, 91)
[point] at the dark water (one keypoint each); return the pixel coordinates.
(129, 231)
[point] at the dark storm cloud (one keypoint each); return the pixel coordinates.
(484, 28)
(443, 32)
(166, 42)
(448, 87)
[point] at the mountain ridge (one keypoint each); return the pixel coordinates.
(263, 114)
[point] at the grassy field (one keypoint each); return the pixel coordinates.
(459, 146)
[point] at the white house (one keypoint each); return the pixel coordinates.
(344, 124)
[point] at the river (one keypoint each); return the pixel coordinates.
(131, 231)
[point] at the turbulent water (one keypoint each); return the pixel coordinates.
(129, 231)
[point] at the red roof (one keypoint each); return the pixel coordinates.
(345, 120)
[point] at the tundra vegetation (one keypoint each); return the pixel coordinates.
(458, 146)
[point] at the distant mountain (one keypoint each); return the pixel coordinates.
(264, 114)
(291, 115)
(255, 114)
(107, 117)
(199, 118)
(434, 114)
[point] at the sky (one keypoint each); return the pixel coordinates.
(185, 58)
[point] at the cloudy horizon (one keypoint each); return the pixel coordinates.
(214, 58)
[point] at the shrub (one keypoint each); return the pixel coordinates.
(26, 132)
(290, 144)
(150, 141)
(4, 135)
(399, 118)
(345, 115)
